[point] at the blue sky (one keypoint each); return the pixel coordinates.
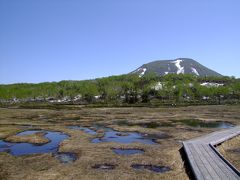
(53, 40)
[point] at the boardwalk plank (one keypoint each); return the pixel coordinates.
(213, 170)
(194, 165)
(205, 162)
(225, 171)
(217, 164)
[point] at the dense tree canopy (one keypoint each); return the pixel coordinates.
(133, 89)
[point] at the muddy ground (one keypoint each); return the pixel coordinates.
(165, 124)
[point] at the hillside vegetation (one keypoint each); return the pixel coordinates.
(129, 89)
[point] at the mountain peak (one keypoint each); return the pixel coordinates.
(175, 66)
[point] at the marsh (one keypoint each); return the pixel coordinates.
(80, 157)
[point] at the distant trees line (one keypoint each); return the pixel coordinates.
(132, 89)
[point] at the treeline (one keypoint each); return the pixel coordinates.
(133, 89)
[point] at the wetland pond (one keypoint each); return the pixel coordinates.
(23, 148)
(122, 151)
(196, 123)
(206, 124)
(112, 135)
(124, 138)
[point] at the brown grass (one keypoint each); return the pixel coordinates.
(166, 153)
(231, 151)
(37, 138)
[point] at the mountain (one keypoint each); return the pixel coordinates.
(176, 66)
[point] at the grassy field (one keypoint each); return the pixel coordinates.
(170, 126)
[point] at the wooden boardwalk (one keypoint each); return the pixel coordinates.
(205, 161)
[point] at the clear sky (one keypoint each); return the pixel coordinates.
(53, 40)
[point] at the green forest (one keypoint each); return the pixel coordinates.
(132, 89)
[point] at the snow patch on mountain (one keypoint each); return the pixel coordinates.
(178, 65)
(175, 66)
(195, 71)
(143, 71)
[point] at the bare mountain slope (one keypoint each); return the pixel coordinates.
(177, 66)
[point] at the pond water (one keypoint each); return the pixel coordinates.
(158, 169)
(155, 124)
(18, 149)
(204, 124)
(65, 158)
(129, 137)
(111, 135)
(121, 151)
